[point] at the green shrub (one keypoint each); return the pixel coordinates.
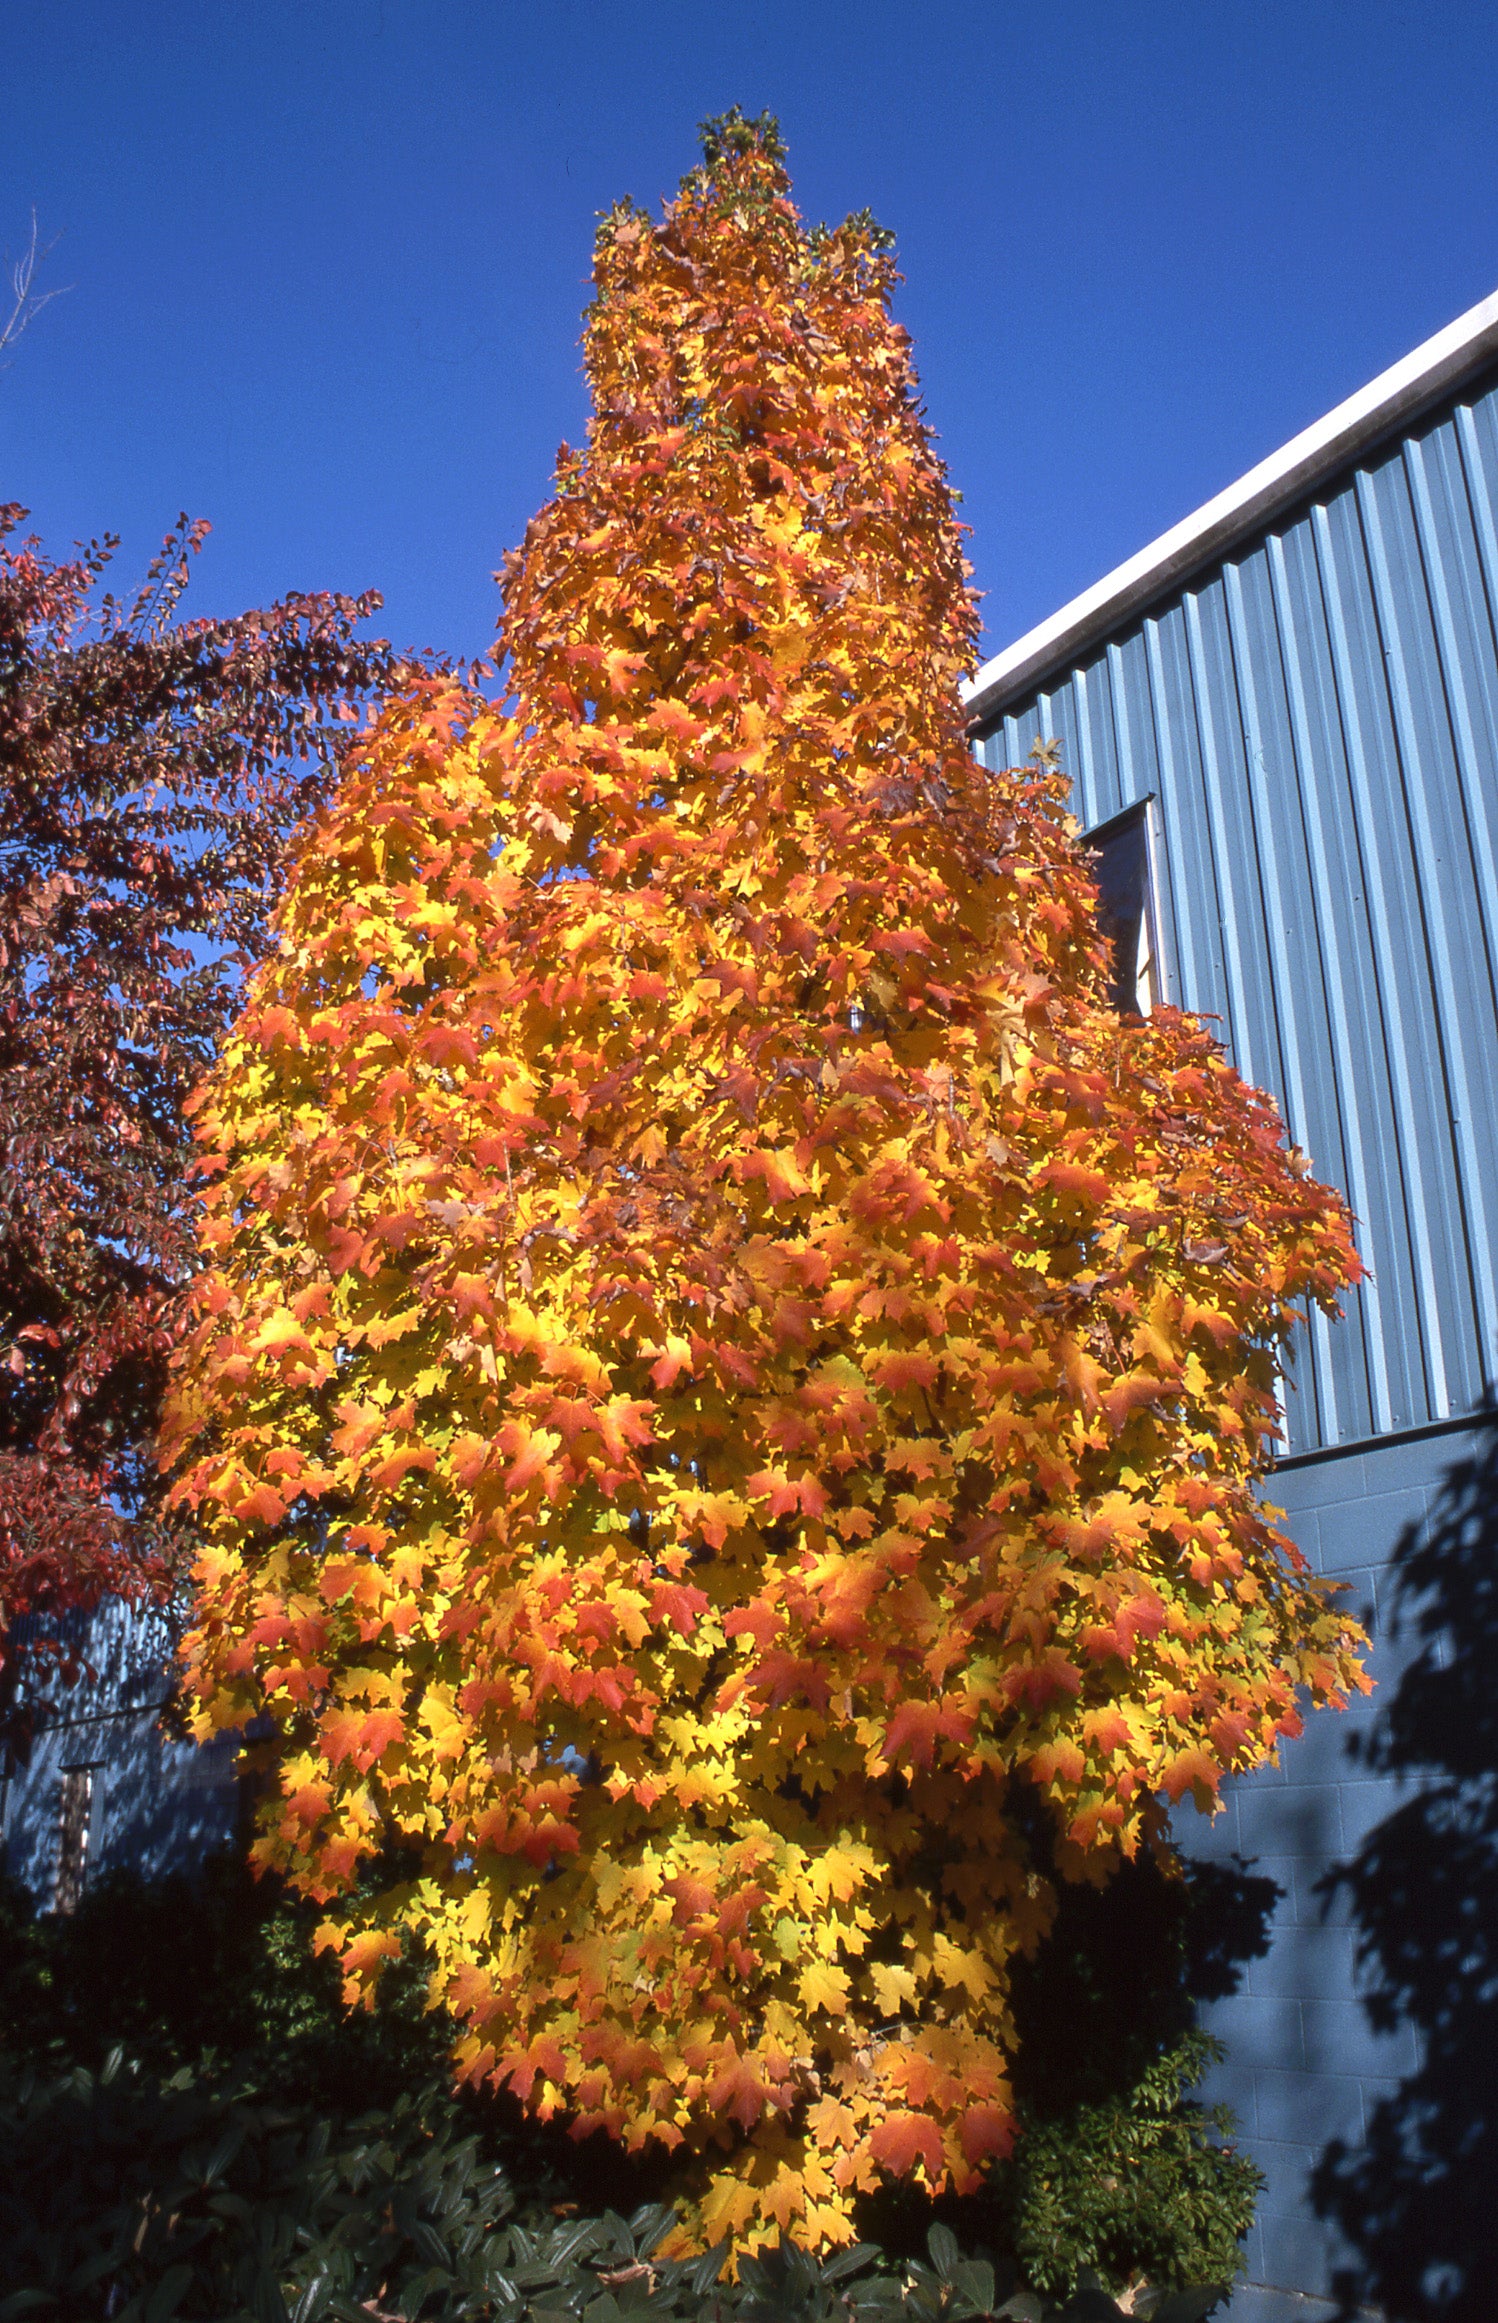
(1132, 2185)
(169, 1969)
(132, 2198)
(192, 2126)
(126, 2195)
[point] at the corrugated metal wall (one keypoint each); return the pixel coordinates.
(1317, 719)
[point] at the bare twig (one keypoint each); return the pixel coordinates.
(26, 300)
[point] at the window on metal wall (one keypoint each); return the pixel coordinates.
(1121, 852)
(72, 1837)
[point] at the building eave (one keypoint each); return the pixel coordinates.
(1394, 399)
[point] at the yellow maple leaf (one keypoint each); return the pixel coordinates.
(823, 1986)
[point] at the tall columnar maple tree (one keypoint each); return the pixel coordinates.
(726, 1367)
(151, 769)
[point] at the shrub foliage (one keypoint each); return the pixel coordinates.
(135, 2199)
(1136, 2184)
(128, 2065)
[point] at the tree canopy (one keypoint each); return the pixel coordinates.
(150, 771)
(728, 1376)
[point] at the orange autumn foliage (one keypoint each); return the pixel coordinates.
(723, 1362)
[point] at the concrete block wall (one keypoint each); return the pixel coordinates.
(1305, 2066)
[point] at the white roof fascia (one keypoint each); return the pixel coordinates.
(1397, 395)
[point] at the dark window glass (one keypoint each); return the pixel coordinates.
(1126, 913)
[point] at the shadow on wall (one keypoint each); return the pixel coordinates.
(1123, 1972)
(1418, 2201)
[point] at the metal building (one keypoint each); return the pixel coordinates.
(1290, 701)
(91, 1783)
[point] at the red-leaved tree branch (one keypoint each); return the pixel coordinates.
(151, 770)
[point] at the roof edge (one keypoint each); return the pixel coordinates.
(1399, 394)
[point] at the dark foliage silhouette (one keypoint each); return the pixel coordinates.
(1117, 1981)
(1416, 2202)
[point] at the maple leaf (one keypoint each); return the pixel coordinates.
(917, 1727)
(1192, 1770)
(987, 2133)
(904, 2142)
(822, 1986)
(738, 2091)
(362, 1737)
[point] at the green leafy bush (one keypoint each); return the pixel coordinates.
(1132, 2185)
(193, 2127)
(223, 1963)
(131, 2198)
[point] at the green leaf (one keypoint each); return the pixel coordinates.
(650, 2226)
(224, 2152)
(706, 2270)
(431, 2245)
(167, 2295)
(974, 2279)
(847, 2262)
(1090, 2305)
(945, 2250)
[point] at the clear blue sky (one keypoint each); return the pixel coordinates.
(329, 256)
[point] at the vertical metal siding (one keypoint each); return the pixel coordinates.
(1317, 720)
